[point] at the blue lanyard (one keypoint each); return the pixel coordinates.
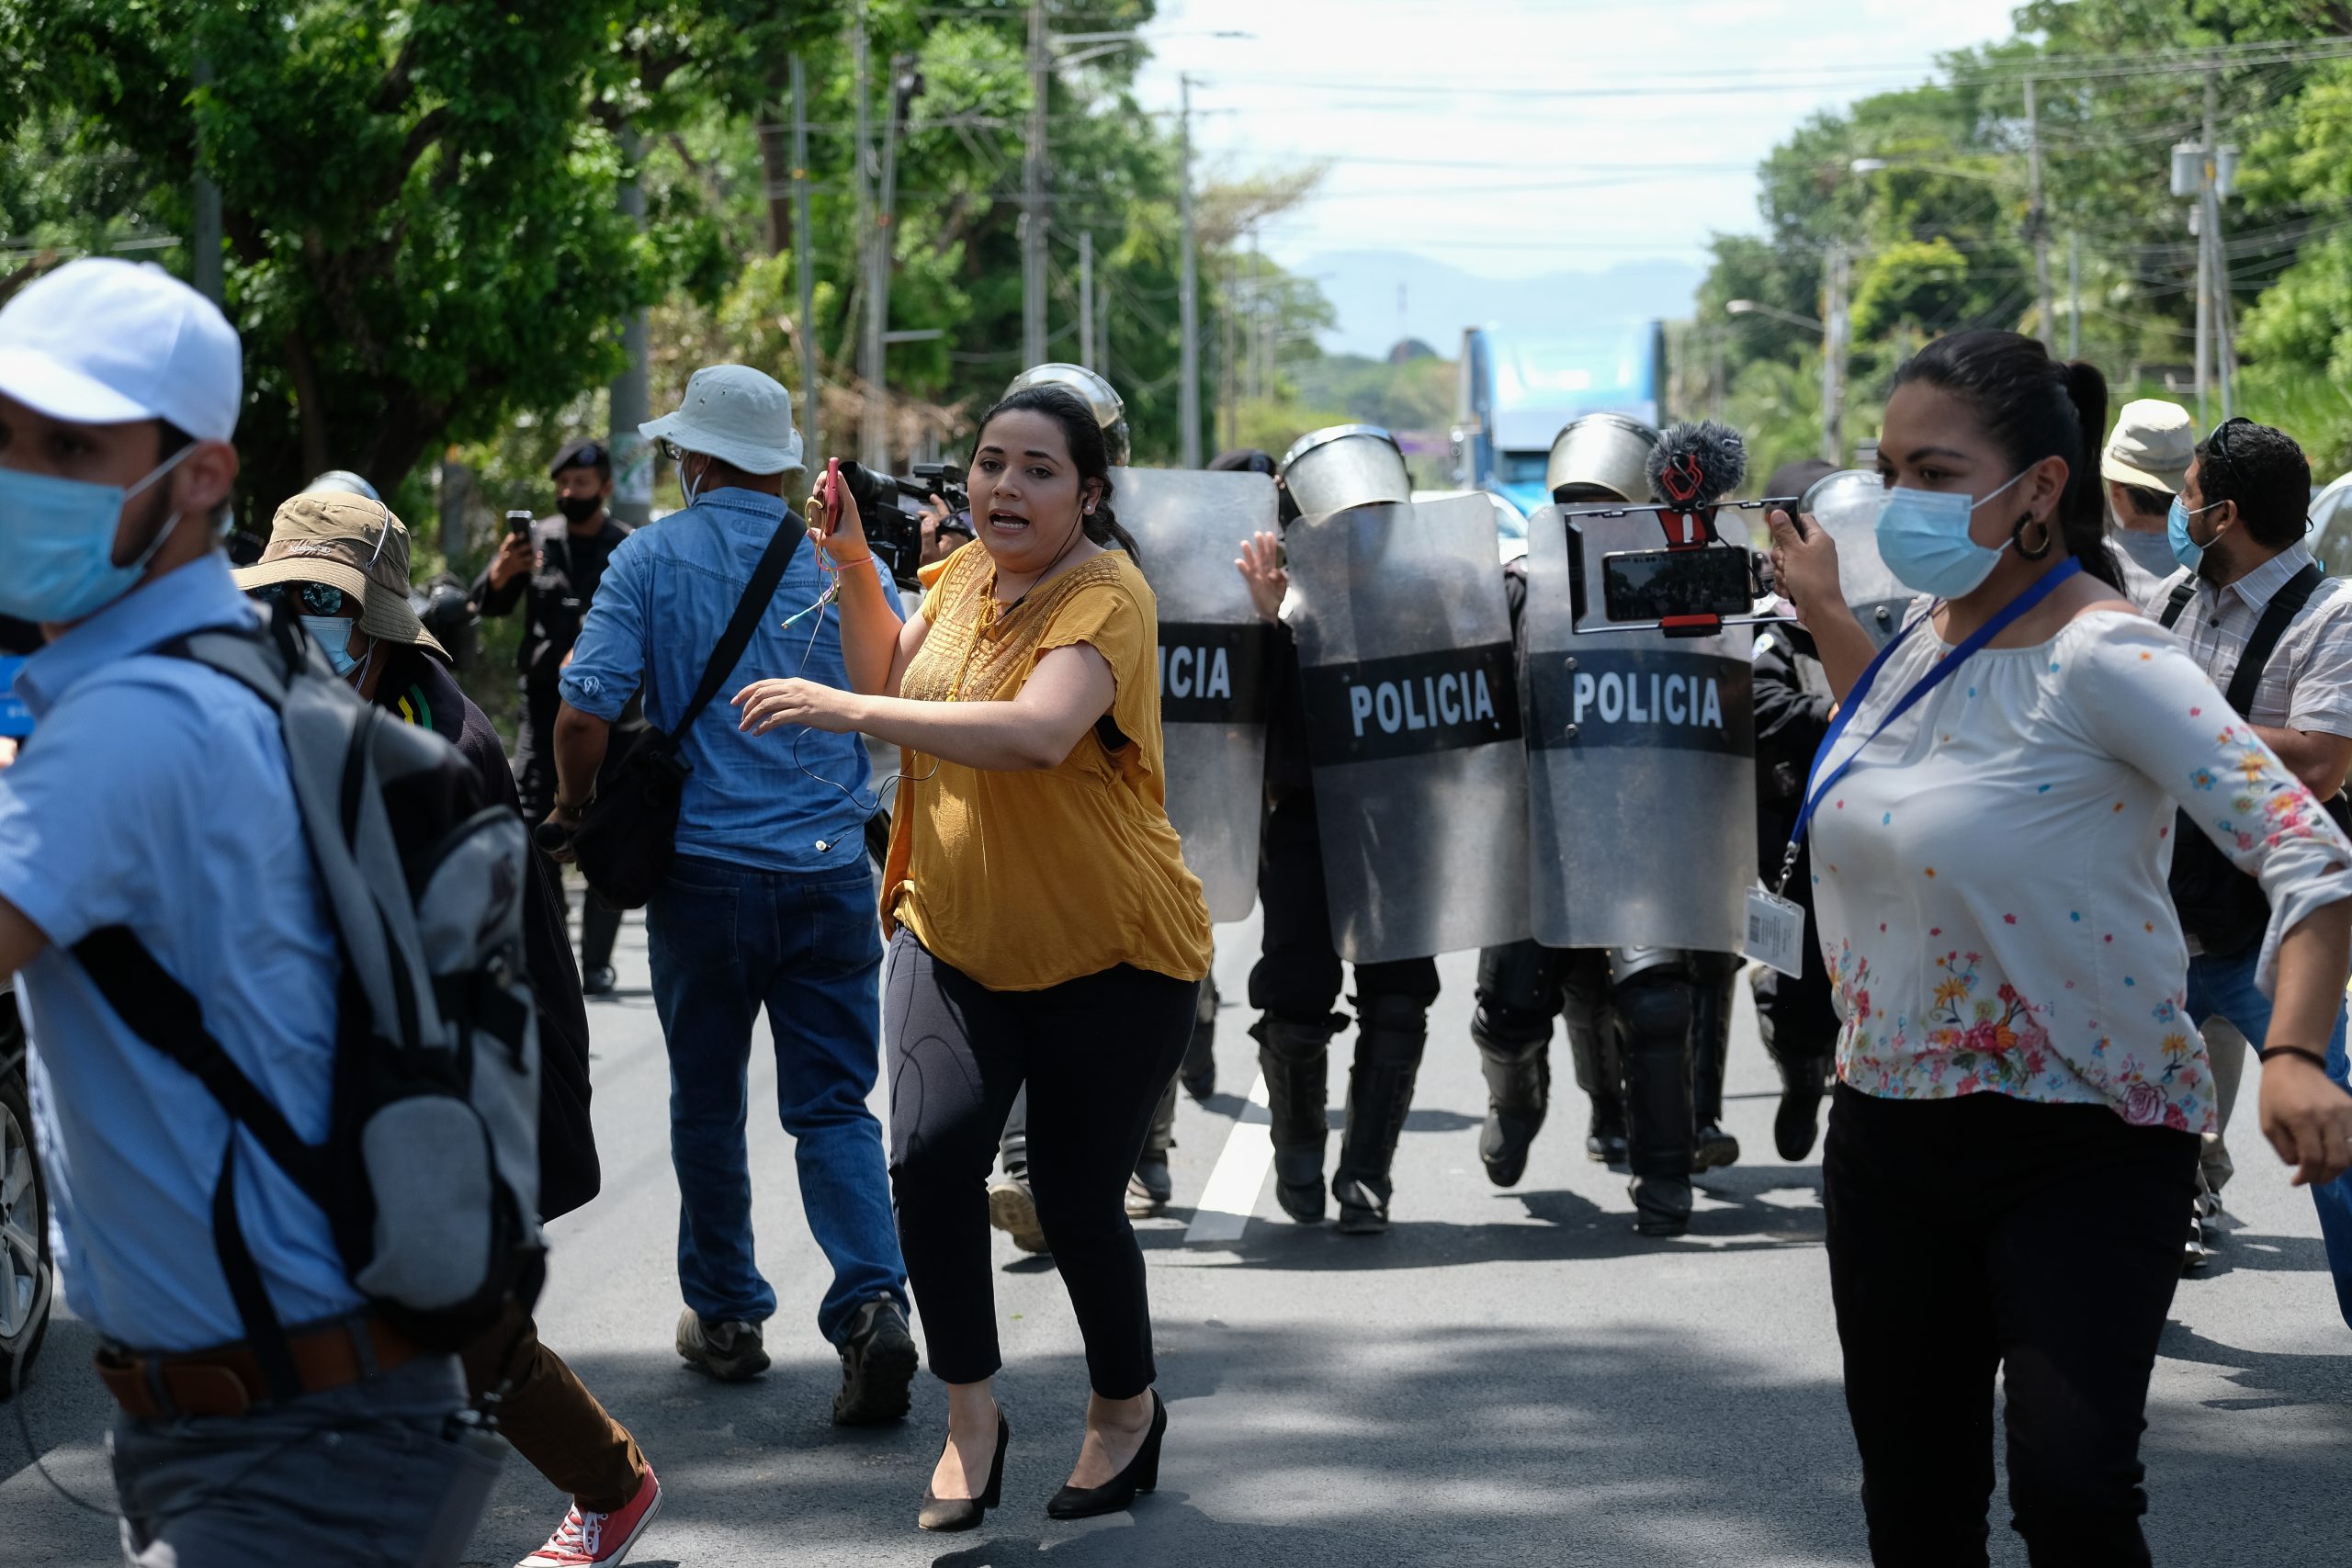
(1945, 667)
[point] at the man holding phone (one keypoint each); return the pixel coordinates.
(556, 563)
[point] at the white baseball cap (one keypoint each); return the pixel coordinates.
(2153, 445)
(737, 414)
(106, 341)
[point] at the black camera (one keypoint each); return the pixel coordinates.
(893, 508)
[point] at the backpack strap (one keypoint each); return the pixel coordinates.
(2178, 601)
(166, 1015)
(748, 611)
(2292, 595)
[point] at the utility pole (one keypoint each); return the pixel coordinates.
(631, 456)
(2037, 225)
(2075, 295)
(1229, 386)
(1251, 386)
(1832, 355)
(1188, 304)
(804, 262)
(871, 437)
(1032, 180)
(2206, 171)
(1086, 301)
(204, 197)
(2205, 227)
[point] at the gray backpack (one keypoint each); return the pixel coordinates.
(429, 1172)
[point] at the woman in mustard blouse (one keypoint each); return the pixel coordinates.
(1043, 928)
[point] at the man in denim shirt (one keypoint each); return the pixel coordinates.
(770, 901)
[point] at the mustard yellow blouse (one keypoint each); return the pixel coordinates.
(1024, 880)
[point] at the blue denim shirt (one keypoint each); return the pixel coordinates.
(153, 794)
(667, 594)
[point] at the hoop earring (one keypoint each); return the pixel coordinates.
(2035, 551)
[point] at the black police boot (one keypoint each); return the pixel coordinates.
(1150, 1188)
(1597, 1075)
(1654, 1021)
(1710, 1051)
(1295, 1057)
(1198, 1075)
(1391, 1033)
(1519, 1090)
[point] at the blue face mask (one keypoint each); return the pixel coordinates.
(1923, 538)
(57, 544)
(2184, 550)
(332, 633)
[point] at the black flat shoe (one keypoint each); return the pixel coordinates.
(1142, 1474)
(946, 1514)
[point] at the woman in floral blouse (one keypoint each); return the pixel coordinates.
(2013, 1143)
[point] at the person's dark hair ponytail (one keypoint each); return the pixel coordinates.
(2033, 407)
(1089, 453)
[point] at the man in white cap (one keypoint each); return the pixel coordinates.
(118, 393)
(770, 902)
(2144, 462)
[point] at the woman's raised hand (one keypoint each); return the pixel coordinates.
(835, 526)
(1261, 567)
(767, 704)
(1805, 565)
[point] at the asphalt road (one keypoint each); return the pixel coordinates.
(1506, 1377)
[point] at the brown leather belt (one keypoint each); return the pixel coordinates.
(228, 1379)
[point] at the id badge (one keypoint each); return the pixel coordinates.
(1775, 932)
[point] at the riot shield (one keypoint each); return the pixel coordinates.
(1641, 753)
(1847, 505)
(1413, 726)
(1189, 527)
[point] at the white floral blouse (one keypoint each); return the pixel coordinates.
(1989, 877)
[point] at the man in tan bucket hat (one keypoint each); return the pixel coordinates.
(343, 557)
(2144, 464)
(342, 560)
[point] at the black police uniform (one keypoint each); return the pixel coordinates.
(1296, 985)
(1648, 1031)
(1797, 1017)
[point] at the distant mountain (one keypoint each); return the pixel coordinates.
(1439, 301)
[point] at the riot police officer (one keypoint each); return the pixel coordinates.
(1295, 982)
(1647, 1026)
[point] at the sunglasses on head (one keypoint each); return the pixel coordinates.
(316, 598)
(2218, 443)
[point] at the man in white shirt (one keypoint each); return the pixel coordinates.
(2236, 530)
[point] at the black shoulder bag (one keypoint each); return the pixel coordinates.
(2221, 906)
(629, 831)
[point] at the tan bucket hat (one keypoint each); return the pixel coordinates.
(2154, 444)
(351, 543)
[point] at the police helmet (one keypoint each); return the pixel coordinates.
(1345, 465)
(1600, 458)
(1110, 411)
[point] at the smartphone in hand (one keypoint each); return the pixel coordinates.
(519, 523)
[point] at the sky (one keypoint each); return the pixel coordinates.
(1511, 139)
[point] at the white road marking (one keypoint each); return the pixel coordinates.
(1231, 1196)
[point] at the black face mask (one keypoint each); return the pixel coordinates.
(578, 508)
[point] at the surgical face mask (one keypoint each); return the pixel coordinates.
(2184, 550)
(691, 491)
(332, 633)
(1923, 538)
(2151, 553)
(57, 543)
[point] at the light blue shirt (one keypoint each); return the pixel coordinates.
(153, 794)
(667, 594)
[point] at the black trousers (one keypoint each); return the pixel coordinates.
(1986, 1232)
(1297, 974)
(1095, 1052)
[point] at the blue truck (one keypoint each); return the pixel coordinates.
(1515, 391)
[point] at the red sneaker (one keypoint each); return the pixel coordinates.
(585, 1539)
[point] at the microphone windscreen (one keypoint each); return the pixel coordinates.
(1697, 463)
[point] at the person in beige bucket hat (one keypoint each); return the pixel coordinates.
(2144, 464)
(344, 558)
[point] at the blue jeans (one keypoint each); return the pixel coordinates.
(2225, 987)
(727, 941)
